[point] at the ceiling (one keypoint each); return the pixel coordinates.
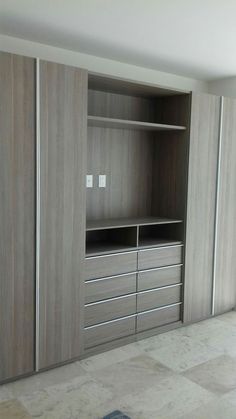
(194, 38)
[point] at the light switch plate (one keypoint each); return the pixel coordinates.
(89, 181)
(102, 181)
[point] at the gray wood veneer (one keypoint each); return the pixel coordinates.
(104, 311)
(151, 299)
(97, 121)
(101, 266)
(63, 123)
(109, 287)
(108, 332)
(201, 206)
(159, 317)
(128, 222)
(17, 215)
(159, 277)
(155, 258)
(225, 272)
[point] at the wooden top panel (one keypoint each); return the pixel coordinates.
(127, 222)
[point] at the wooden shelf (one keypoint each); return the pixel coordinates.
(98, 121)
(105, 248)
(128, 222)
(154, 242)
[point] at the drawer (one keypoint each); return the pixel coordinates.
(159, 317)
(150, 299)
(107, 332)
(160, 277)
(109, 265)
(163, 256)
(109, 310)
(101, 289)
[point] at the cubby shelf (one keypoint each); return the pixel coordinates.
(127, 234)
(128, 222)
(99, 121)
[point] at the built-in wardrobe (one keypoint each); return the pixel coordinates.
(117, 212)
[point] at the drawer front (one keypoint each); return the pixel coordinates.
(109, 265)
(107, 332)
(102, 289)
(155, 258)
(158, 298)
(158, 318)
(159, 278)
(109, 310)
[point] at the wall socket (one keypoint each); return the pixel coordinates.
(89, 181)
(102, 181)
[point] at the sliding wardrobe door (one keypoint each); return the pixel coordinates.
(203, 157)
(17, 215)
(225, 257)
(61, 241)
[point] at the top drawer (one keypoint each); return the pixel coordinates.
(158, 257)
(109, 265)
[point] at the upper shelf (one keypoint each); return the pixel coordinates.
(99, 121)
(128, 222)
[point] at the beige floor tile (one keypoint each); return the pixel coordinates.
(109, 358)
(45, 379)
(179, 352)
(219, 409)
(213, 333)
(13, 409)
(217, 375)
(79, 398)
(168, 398)
(5, 393)
(229, 318)
(132, 376)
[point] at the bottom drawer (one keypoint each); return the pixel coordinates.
(158, 317)
(107, 332)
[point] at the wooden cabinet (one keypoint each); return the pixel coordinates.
(140, 246)
(202, 178)
(17, 215)
(225, 260)
(63, 123)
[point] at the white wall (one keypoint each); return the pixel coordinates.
(223, 87)
(99, 65)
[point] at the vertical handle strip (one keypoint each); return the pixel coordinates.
(37, 213)
(218, 178)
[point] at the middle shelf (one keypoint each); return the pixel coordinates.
(127, 234)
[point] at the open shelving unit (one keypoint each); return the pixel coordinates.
(138, 138)
(125, 234)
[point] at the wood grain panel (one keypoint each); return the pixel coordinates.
(201, 206)
(63, 96)
(125, 157)
(101, 266)
(17, 215)
(109, 287)
(159, 277)
(164, 256)
(108, 332)
(109, 310)
(157, 298)
(225, 279)
(159, 317)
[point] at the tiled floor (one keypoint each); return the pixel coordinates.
(189, 373)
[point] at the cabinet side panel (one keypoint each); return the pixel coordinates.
(203, 156)
(225, 277)
(17, 215)
(63, 126)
